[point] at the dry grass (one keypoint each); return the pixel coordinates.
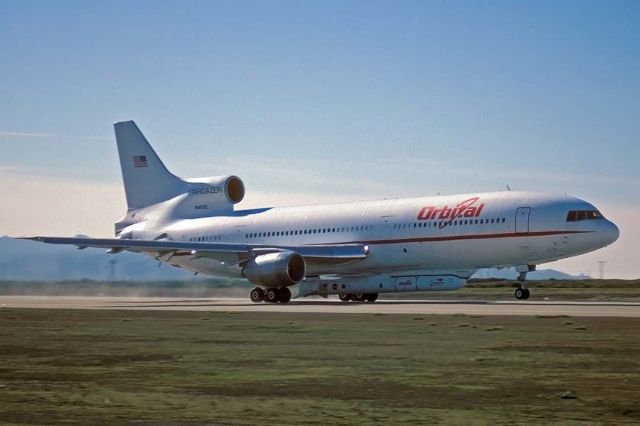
(115, 367)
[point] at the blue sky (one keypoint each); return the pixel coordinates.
(323, 100)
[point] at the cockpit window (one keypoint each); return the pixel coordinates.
(578, 215)
(594, 214)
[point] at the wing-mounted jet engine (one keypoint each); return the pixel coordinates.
(275, 271)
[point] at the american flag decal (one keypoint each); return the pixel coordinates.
(140, 161)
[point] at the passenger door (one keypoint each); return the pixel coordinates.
(522, 220)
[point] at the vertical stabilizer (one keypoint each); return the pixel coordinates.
(146, 180)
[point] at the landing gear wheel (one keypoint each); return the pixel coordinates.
(284, 295)
(358, 297)
(526, 294)
(521, 293)
(344, 297)
(271, 295)
(257, 295)
(371, 297)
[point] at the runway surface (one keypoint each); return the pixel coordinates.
(592, 309)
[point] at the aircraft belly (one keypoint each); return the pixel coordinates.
(451, 254)
(206, 266)
(398, 257)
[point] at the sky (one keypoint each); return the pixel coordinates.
(319, 101)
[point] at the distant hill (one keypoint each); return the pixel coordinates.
(32, 261)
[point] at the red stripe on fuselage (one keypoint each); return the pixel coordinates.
(473, 237)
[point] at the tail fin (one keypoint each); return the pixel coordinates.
(146, 180)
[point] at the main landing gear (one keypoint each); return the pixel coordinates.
(522, 292)
(358, 297)
(270, 295)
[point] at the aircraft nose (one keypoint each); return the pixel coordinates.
(610, 233)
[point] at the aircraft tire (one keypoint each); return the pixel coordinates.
(284, 295)
(526, 294)
(344, 297)
(371, 297)
(519, 293)
(359, 297)
(271, 295)
(257, 295)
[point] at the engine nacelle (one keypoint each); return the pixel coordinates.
(229, 189)
(278, 269)
(203, 197)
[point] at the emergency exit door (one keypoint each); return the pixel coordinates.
(522, 220)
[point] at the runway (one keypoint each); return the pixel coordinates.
(331, 306)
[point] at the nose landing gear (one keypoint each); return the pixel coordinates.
(522, 292)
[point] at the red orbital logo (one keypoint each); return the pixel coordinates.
(466, 208)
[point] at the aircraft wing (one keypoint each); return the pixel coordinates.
(224, 252)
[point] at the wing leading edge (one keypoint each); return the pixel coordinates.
(165, 249)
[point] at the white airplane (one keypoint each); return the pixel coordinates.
(355, 250)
